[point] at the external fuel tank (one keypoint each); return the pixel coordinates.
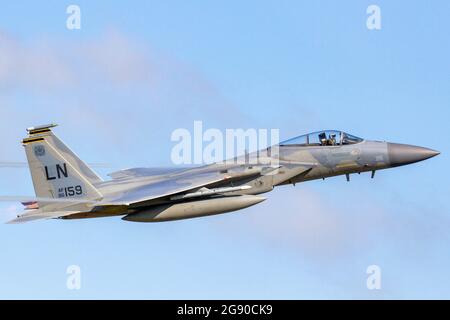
(193, 209)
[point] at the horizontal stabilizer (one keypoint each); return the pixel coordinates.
(33, 215)
(43, 199)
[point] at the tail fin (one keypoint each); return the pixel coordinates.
(56, 171)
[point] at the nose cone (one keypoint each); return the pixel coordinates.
(401, 154)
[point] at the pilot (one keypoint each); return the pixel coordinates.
(323, 139)
(332, 140)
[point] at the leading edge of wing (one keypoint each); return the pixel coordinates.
(183, 182)
(145, 172)
(160, 189)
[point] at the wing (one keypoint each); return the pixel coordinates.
(162, 188)
(145, 172)
(166, 188)
(192, 179)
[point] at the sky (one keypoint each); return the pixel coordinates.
(136, 71)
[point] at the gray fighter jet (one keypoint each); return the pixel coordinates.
(67, 188)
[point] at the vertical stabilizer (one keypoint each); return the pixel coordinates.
(56, 171)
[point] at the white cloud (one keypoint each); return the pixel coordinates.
(109, 62)
(120, 86)
(36, 66)
(313, 224)
(332, 228)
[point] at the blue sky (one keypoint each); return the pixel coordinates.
(137, 71)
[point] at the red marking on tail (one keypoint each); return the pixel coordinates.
(31, 205)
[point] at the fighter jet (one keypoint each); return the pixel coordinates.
(67, 188)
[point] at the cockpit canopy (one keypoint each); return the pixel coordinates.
(323, 138)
